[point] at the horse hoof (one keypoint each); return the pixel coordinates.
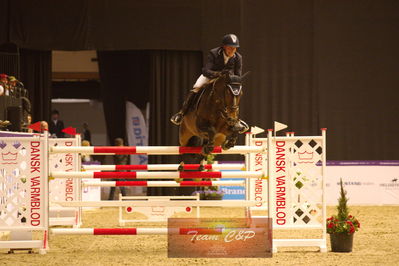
(227, 145)
(207, 150)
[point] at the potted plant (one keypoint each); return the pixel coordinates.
(342, 226)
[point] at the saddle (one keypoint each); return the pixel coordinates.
(194, 103)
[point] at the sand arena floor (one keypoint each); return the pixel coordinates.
(377, 243)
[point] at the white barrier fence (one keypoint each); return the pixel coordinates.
(294, 196)
(155, 213)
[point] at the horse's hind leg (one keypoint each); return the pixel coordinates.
(184, 138)
(208, 146)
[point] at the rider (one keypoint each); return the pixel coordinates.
(224, 58)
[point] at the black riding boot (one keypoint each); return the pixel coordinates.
(178, 117)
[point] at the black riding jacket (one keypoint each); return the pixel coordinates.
(215, 63)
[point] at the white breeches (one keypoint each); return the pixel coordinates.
(201, 81)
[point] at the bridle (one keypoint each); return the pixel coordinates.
(226, 110)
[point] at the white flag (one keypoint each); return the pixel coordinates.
(137, 135)
(279, 126)
(256, 130)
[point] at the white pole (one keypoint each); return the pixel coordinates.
(161, 167)
(46, 218)
(151, 150)
(162, 184)
(324, 174)
(157, 175)
(177, 203)
(270, 175)
(79, 182)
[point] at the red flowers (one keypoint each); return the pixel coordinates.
(349, 225)
(351, 230)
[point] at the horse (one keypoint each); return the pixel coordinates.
(213, 119)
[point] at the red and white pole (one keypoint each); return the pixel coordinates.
(157, 175)
(162, 183)
(162, 167)
(154, 150)
(136, 231)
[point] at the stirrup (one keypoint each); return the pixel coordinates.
(177, 118)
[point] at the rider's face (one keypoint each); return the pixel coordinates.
(229, 50)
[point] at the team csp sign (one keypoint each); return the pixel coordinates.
(219, 238)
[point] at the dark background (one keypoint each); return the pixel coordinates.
(313, 63)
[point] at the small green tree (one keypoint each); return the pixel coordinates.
(342, 207)
(342, 222)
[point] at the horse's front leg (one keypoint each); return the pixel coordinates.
(208, 147)
(202, 164)
(230, 141)
(181, 166)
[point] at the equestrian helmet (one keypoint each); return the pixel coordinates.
(231, 40)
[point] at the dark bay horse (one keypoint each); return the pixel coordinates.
(213, 120)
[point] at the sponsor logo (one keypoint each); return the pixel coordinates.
(234, 38)
(393, 184)
(219, 238)
(35, 186)
(281, 188)
(9, 156)
(305, 157)
(139, 138)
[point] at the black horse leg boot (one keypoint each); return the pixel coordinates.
(178, 117)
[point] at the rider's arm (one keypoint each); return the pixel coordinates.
(238, 65)
(207, 69)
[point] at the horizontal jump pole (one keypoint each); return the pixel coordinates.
(159, 167)
(147, 231)
(152, 150)
(163, 183)
(160, 203)
(157, 175)
(135, 231)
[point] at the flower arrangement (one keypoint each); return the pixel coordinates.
(342, 222)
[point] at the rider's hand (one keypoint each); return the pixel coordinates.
(217, 74)
(225, 71)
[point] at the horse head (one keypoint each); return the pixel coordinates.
(228, 90)
(215, 120)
